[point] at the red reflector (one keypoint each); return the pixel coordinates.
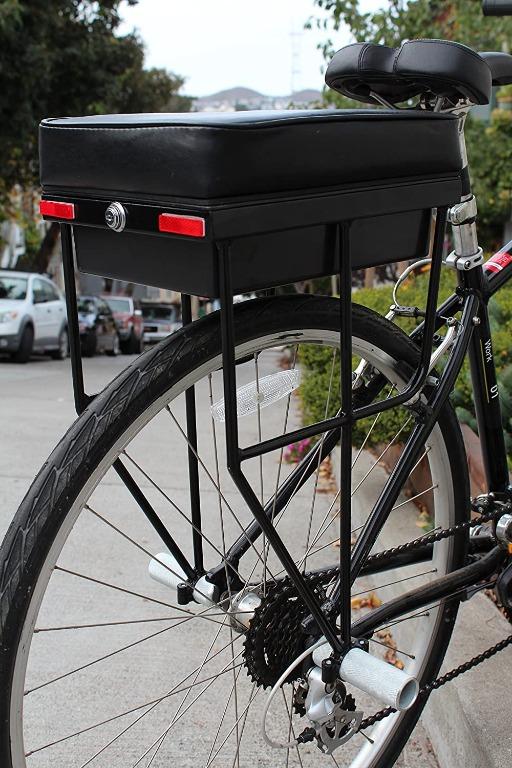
(193, 226)
(57, 210)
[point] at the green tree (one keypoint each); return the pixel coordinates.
(490, 161)
(67, 57)
(397, 20)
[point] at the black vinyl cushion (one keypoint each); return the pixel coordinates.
(219, 155)
(500, 65)
(441, 67)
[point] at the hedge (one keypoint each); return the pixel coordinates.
(317, 361)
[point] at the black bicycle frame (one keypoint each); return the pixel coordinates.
(476, 286)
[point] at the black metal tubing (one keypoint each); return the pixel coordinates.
(393, 559)
(376, 520)
(415, 442)
(414, 386)
(296, 479)
(233, 452)
(491, 284)
(82, 399)
(154, 519)
(410, 455)
(77, 373)
(439, 589)
(193, 464)
(484, 283)
(346, 434)
(478, 285)
(485, 390)
(306, 468)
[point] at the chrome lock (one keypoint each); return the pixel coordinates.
(115, 217)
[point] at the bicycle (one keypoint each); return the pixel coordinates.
(250, 608)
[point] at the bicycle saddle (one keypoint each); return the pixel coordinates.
(439, 67)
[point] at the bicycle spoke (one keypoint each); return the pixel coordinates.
(106, 624)
(323, 528)
(266, 546)
(413, 498)
(154, 705)
(223, 535)
(162, 492)
(372, 427)
(172, 692)
(140, 547)
(391, 648)
(252, 697)
(228, 667)
(381, 456)
(291, 729)
(244, 721)
(317, 472)
(184, 699)
(208, 473)
(222, 718)
(125, 647)
(391, 583)
(202, 614)
(425, 611)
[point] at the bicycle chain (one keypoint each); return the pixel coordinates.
(426, 689)
(268, 652)
(445, 533)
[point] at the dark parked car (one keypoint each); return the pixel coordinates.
(160, 320)
(98, 329)
(130, 325)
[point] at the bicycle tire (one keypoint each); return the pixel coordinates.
(92, 438)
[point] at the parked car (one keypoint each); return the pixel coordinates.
(32, 316)
(160, 320)
(130, 325)
(98, 329)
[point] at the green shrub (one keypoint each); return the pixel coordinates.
(316, 361)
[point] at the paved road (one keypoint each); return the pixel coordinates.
(36, 407)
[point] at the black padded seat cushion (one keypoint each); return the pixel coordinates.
(443, 67)
(500, 65)
(209, 156)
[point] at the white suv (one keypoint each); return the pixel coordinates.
(32, 316)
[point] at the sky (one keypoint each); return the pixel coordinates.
(218, 44)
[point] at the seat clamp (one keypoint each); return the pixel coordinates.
(465, 263)
(463, 213)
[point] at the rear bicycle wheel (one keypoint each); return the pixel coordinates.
(102, 665)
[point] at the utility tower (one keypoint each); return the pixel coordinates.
(295, 73)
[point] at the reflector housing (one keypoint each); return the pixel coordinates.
(57, 210)
(178, 224)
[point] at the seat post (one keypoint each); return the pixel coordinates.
(467, 254)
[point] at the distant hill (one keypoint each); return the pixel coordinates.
(247, 98)
(239, 93)
(305, 96)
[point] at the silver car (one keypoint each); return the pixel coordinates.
(160, 320)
